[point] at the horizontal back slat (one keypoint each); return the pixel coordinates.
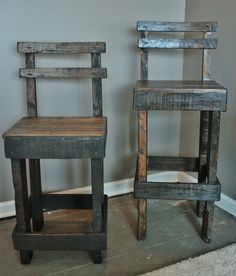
(158, 26)
(166, 43)
(63, 73)
(61, 47)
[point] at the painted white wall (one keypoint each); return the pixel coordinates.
(86, 20)
(223, 71)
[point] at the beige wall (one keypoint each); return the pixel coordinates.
(86, 20)
(223, 70)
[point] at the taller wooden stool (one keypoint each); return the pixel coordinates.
(36, 138)
(205, 96)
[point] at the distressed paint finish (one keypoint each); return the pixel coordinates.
(180, 191)
(161, 26)
(175, 43)
(80, 73)
(61, 47)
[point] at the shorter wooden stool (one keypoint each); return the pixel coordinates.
(36, 138)
(205, 96)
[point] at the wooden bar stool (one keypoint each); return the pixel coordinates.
(36, 138)
(205, 96)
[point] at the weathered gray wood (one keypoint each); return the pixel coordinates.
(177, 191)
(204, 127)
(63, 73)
(21, 204)
(66, 241)
(151, 95)
(175, 43)
(61, 47)
(31, 95)
(208, 213)
(97, 192)
(96, 86)
(143, 61)
(160, 26)
(55, 147)
(163, 163)
(36, 194)
(66, 201)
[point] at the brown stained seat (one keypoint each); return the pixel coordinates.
(33, 138)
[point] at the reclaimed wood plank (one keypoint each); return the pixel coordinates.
(164, 163)
(36, 194)
(21, 204)
(61, 47)
(177, 191)
(161, 26)
(52, 202)
(97, 192)
(58, 127)
(177, 43)
(96, 86)
(79, 73)
(31, 95)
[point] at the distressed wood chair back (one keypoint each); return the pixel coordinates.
(95, 72)
(206, 43)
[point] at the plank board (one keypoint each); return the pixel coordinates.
(63, 73)
(61, 47)
(161, 26)
(175, 43)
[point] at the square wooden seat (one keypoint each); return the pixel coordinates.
(205, 96)
(179, 95)
(56, 137)
(34, 138)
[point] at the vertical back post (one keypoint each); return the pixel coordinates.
(96, 86)
(142, 147)
(31, 88)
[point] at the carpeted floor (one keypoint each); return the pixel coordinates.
(216, 263)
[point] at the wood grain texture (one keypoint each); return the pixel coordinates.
(175, 43)
(80, 73)
(96, 87)
(179, 95)
(161, 26)
(164, 163)
(58, 127)
(61, 47)
(46, 240)
(177, 191)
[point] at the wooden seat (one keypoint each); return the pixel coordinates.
(205, 95)
(33, 138)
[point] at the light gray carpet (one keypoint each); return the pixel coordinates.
(220, 262)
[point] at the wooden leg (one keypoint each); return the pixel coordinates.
(142, 172)
(97, 192)
(21, 203)
(212, 172)
(36, 194)
(96, 256)
(203, 152)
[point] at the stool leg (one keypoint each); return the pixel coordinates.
(36, 194)
(21, 203)
(142, 172)
(212, 172)
(203, 152)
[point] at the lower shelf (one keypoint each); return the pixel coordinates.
(46, 240)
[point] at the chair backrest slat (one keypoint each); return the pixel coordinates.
(31, 73)
(158, 26)
(168, 43)
(80, 73)
(61, 47)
